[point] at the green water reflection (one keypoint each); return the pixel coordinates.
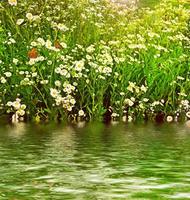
(94, 162)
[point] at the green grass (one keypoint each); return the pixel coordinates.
(148, 3)
(77, 60)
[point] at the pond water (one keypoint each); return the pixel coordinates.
(94, 162)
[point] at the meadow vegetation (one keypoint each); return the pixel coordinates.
(88, 60)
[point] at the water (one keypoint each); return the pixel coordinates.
(94, 162)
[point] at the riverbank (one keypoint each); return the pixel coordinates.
(94, 61)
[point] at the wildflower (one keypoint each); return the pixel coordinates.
(34, 74)
(23, 107)
(40, 58)
(63, 44)
(128, 102)
(34, 44)
(16, 105)
(49, 62)
(58, 83)
(54, 92)
(180, 78)
(156, 103)
(145, 99)
(114, 115)
(188, 114)
(12, 2)
(69, 108)
(143, 88)
(169, 118)
(137, 89)
(58, 70)
(141, 106)
(185, 103)
(26, 81)
(32, 61)
(81, 113)
(9, 103)
(12, 41)
(48, 44)
(29, 16)
(17, 99)
(19, 21)
(15, 61)
(107, 70)
(20, 112)
(3, 80)
(162, 101)
(131, 86)
(75, 83)
(88, 57)
(90, 49)
(101, 77)
(41, 41)
(21, 72)
(72, 101)
(182, 94)
(44, 82)
(8, 74)
(79, 65)
(68, 88)
(62, 27)
(58, 100)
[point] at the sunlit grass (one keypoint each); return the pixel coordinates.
(148, 3)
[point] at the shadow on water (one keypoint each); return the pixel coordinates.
(124, 161)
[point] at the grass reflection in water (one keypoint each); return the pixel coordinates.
(94, 162)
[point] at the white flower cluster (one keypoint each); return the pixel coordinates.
(185, 104)
(136, 89)
(12, 2)
(40, 42)
(3, 79)
(33, 61)
(68, 101)
(60, 26)
(63, 71)
(32, 17)
(130, 102)
(17, 108)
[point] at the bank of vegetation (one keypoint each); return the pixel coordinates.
(93, 60)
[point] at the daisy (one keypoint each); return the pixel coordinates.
(12, 2)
